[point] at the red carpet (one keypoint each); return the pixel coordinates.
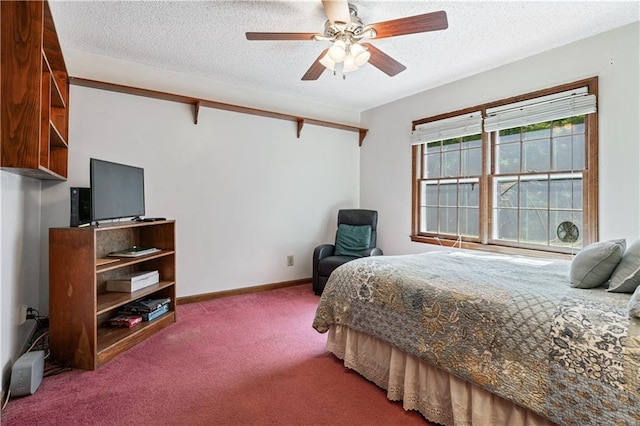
(243, 360)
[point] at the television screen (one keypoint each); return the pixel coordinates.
(117, 190)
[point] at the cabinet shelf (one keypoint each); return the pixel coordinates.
(110, 300)
(56, 95)
(55, 137)
(128, 261)
(35, 98)
(79, 305)
(110, 336)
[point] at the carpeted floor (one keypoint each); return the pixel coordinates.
(243, 360)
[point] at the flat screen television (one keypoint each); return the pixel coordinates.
(117, 190)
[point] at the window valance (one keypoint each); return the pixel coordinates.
(447, 128)
(546, 108)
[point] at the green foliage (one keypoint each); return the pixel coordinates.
(546, 125)
(465, 139)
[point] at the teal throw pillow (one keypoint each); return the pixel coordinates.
(352, 240)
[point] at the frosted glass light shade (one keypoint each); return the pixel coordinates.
(328, 62)
(337, 52)
(349, 64)
(360, 54)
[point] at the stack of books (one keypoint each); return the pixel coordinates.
(148, 309)
(133, 282)
(125, 320)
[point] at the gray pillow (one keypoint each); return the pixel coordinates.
(634, 304)
(626, 276)
(594, 264)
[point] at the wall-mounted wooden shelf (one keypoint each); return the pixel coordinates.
(35, 93)
(198, 103)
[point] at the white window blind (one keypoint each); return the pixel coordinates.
(546, 108)
(452, 127)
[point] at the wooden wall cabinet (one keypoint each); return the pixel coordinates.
(79, 305)
(35, 92)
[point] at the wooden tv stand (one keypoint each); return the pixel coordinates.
(79, 305)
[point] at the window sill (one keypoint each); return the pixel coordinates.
(493, 248)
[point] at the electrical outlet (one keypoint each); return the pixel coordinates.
(290, 260)
(22, 314)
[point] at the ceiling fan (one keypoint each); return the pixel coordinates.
(347, 32)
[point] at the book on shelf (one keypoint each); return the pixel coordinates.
(133, 282)
(125, 320)
(134, 251)
(145, 306)
(155, 314)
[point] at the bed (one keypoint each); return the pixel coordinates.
(485, 339)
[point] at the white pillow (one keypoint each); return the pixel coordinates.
(634, 304)
(594, 264)
(626, 276)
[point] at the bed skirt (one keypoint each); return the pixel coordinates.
(440, 397)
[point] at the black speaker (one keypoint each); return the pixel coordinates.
(80, 206)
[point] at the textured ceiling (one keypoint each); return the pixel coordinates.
(206, 38)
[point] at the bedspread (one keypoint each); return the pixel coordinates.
(512, 325)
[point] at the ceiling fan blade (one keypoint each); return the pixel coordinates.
(316, 69)
(280, 36)
(412, 24)
(384, 62)
(337, 11)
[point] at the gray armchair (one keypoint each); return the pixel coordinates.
(325, 257)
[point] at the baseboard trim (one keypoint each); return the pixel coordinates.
(246, 290)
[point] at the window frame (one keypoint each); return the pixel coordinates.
(485, 240)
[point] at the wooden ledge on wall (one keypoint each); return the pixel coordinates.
(198, 103)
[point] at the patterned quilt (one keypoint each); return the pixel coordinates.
(512, 325)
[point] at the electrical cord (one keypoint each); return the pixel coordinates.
(42, 328)
(46, 333)
(6, 400)
(30, 312)
(52, 370)
(51, 367)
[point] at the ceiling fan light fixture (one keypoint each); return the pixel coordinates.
(349, 64)
(338, 51)
(359, 54)
(327, 62)
(348, 33)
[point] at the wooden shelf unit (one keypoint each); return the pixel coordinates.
(35, 92)
(79, 305)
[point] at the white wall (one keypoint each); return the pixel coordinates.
(613, 57)
(101, 68)
(244, 190)
(20, 236)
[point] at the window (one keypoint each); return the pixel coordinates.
(450, 177)
(517, 174)
(537, 182)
